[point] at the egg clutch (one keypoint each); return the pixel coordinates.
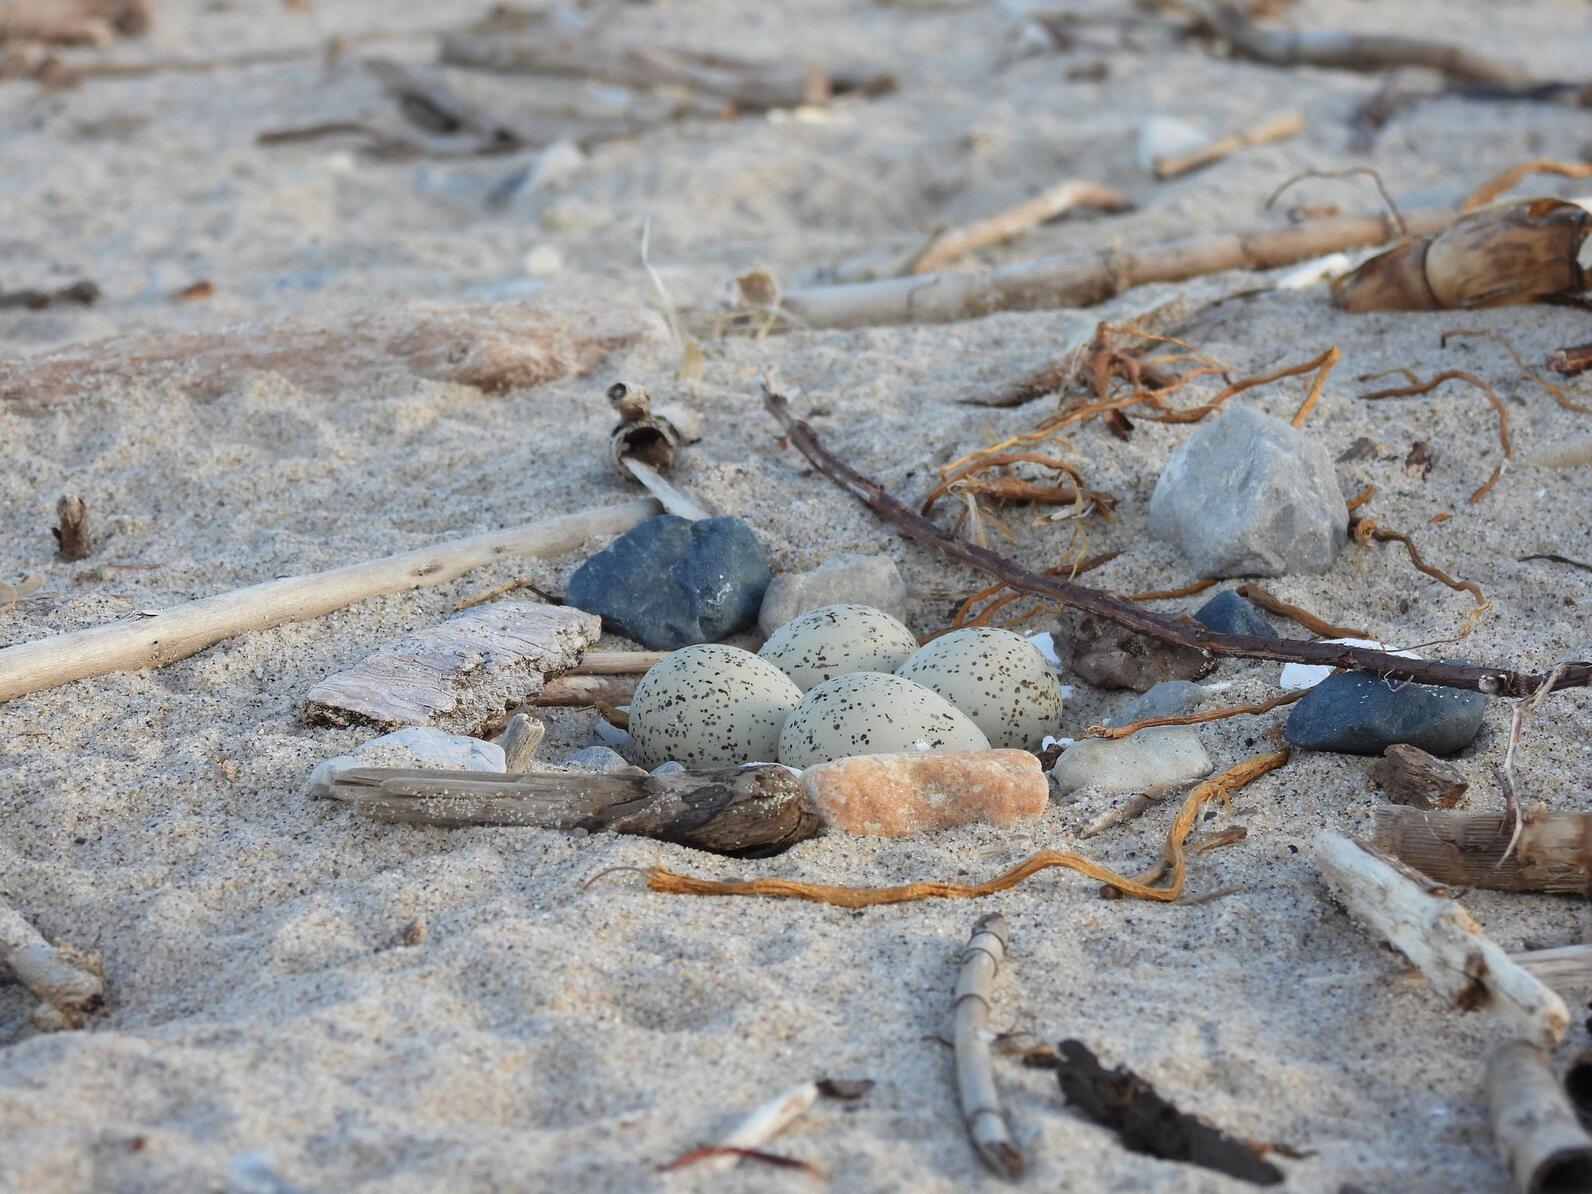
(841, 681)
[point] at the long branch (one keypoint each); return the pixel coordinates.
(1489, 680)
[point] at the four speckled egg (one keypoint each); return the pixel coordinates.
(871, 713)
(837, 639)
(710, 706)
(998, 678)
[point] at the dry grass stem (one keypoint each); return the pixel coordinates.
(1193, 719)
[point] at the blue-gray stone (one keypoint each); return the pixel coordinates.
(1228, 613)
(671, 582)
(1169, 698)
(600, 759)
(1358, 714)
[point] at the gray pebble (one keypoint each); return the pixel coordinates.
(1169, 698)
(845, 579)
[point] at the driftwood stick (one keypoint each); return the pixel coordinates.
(1076, 279)
(1571, 361)
(151, 641)
(1354, 51)
(69, 983)
(1567, 968)
(671, 497)
(610, 689)
(1542, 1145)
(762, 1125)
(954, 243)
(1550, 852)
(1442, 940)
(617, 663)
(1492, 681)
(975, 1075)
(738, 810)
(1274, 128)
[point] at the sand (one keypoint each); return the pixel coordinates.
(549, 1036)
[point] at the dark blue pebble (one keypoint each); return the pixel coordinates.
(671, 582)
(1228, 613)
(1354, 713)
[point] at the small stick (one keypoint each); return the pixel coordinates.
(975, 1076)
(1441, 939)
(70, 984)
(1007, 225)
(1542, 1144)
(1572, 360)
(1253, 592)
(1274, 128)
(571, 689)
(1131, 809)
(1497, 185)
(72, 538)
(82, 293)
(1193, 719)
(1188, 590)
(671, 497)
(1551, 851)
(763, 1124)
(616, 663)
(152, 641)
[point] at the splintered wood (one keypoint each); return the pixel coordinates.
(1441, 939)
(70, 984)
(459, 676)
(493, 349)
(1544, 852)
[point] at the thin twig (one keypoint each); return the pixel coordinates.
(1497, 185)
(975, 1076)
(1425, 387)
(1276, 605)
(1393, 208)
(1554, 390)
(1193, 719)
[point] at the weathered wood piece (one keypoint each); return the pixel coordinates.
(1273, 128)
(1564, 968)
(762, 1124)
(952, 244)
(72, 538)
(520, 740)
(157, 639)
(751, 811)
(493, 349)
(1542, 1144)
(1415, 779)
(1553, 851)
(975, 1074)
(69, 983)
(610, 689)
(458, 676)
(1442, 940)
(72, 22)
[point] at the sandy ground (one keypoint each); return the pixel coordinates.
(546, 1036)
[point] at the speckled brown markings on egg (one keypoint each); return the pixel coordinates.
(710, 706)
(835, 640)
(872, 713)
(998, 678)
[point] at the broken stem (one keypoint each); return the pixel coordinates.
(975, 1076)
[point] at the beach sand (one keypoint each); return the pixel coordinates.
(546, 1035)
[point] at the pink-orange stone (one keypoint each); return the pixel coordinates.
(893, 795)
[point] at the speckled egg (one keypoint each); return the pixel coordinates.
(999, 679)
(710, 706)
(871, 713)
(837, 639)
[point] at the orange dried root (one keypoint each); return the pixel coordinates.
(1193, 719)
(1294, 613)
(1555, 391)
(1364, 530)
(1188, 590)
(1426, 387)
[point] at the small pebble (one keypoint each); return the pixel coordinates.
(1169, 698)
(843, 580)
(1228, 613)
(671, 582)
(1359, 714)
(598, 759)
(1171, 755)
(898, 794)
(668, 768)
(1248, 495)
(414, 747)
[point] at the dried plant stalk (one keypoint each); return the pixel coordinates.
(954, 243)
(1498, 184)
(574, 689)
(1272, 129)
(1267, 601)
(975, 1075)
(1441, 939)
(1496, 257)
(520, 740)
(1194, 719)
(617, 663)
(1551, 851)
(69, 983)
(1542, 1144)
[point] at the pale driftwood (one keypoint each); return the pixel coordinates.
(1057, 200)
(494, 349)
(1542, 1144)
(520, 740)
(757, 809)
(1442, 940)
(151, 640)
(1565, 968)
(617, 663)
(1066, 279)
(975, 1075)
(458, 676)
(611, 689)
(70, 984)
(1413, 778)
(1570, 455)
(673, 498)
(1551, 852)
(72, 22)
(762, 1125)
(1274, 128)
(1353, 51)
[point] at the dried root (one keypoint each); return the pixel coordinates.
(1417, 386)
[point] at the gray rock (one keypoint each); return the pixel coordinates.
(1148, 759)
(1357, 714)
(1228, 613)
(600, 760)
(671, 582)
(668, 767)
(416, 746)
(1169, 698)
(1248, 495)
(845, 579)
